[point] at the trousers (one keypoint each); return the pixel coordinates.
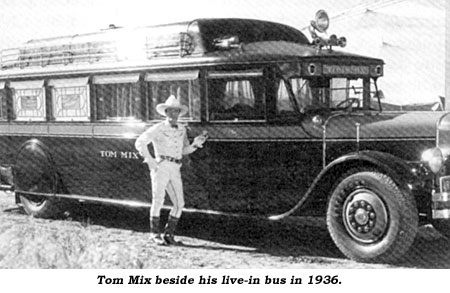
(167, 178)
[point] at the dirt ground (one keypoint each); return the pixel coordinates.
(99, 237)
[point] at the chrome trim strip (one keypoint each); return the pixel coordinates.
(217, 133)
(319, 139)
(134, 136)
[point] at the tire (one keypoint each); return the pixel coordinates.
(370, 219)
(443, 226)
(40, 206)
(34, 173)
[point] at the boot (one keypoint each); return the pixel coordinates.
(169, 231)
(155, 233)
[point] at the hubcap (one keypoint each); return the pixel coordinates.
(365, 216)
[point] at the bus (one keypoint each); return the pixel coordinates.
(295, 124)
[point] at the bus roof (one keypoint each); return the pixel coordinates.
(198, 42)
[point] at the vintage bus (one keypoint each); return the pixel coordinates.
(295, 126)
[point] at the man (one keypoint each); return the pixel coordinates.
(170, 143)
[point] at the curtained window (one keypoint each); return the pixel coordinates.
(237, 95)
(184, 85)
(117, 97)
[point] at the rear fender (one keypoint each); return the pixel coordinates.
(33, 164)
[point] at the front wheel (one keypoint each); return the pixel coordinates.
(443, 226)
(370, 219)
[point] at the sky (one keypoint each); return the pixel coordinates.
(404, 81)
(22, 20)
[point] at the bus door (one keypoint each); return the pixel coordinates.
(261, 158)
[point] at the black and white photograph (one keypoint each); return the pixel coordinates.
(221, 138)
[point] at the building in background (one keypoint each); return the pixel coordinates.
(410, 36)
(447, 55)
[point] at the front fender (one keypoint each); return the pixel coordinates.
(399, 170)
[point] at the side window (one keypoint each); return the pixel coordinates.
(185, 85)
(316, 94)
(29, 100)
(117, 97)
(236, 96)
(3, 102)
(302, 93)
(70, 98)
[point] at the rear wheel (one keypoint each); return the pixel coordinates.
(40, 206)
(34, 174)
(370, 219)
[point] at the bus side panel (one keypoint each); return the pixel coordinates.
(101, 167)
(254, 177)
(229, 176)
(8, 149)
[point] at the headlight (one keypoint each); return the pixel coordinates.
(434, 159)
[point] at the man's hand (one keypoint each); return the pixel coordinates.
(152, 165)
(200, 140)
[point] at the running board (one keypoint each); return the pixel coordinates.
(84, 198)
(131, 203)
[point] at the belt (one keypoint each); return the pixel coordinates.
(171, 159)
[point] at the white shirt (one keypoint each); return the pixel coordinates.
(166, 140)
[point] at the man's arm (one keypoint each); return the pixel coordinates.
(197, 143)
(142, 143)
(187, 147)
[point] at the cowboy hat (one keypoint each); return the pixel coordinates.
(172, 103)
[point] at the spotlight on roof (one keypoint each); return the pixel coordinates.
(321, 22)
(318, 31)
